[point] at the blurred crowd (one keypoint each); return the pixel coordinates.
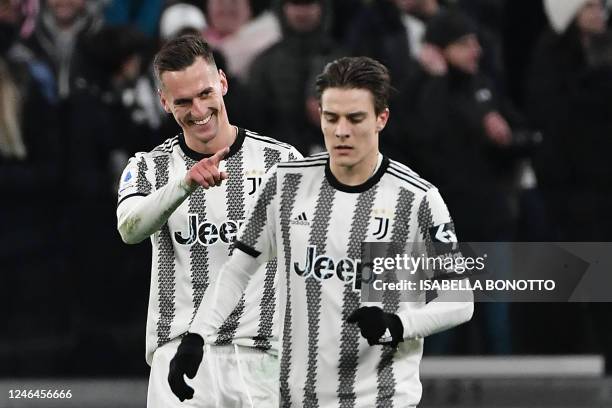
(502, 104)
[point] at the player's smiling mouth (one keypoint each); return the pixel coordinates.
(202, 121)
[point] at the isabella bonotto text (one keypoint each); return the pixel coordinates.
(465, 284)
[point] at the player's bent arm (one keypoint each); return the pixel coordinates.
(139, 217)
(449, 309)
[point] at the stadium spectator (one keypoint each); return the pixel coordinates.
(181, 18)
(106, 126)
(570, 88)
(459, 137)
(385, 30)
(522, 24)
(61, 24)
(391, 31)
(280, 76)
(240, 35)
(140, 14)
(29, 210)
(488, 15)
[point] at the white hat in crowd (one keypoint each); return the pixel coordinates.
(561, 13)
(179, 17)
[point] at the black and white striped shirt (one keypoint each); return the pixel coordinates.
(315, 226)
(192, 244)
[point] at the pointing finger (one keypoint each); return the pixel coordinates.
(217, 157)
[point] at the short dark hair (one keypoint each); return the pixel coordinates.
(359, 73)
(181, 52)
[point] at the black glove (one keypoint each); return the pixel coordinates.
(377, 326)
(186, 361)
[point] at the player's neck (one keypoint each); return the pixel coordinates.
(357, 174)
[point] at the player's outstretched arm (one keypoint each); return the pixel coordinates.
(138, 217)
(418, 320)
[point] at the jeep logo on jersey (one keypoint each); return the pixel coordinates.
(323, 267)
(208, 233)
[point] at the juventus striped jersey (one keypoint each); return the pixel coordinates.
(315, 225)
(192, 244)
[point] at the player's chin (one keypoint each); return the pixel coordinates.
(207, 131)
(343, 157)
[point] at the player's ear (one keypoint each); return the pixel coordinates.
(224, 85)
(163, 101)
(381, 120)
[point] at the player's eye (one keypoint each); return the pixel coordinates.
(330, 118)
(205, 93)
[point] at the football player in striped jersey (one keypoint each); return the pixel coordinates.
(313, 215)
(189, 196)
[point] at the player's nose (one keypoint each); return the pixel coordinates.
(199, 109)
(343, 128)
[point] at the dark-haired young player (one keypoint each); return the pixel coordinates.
(313, 214)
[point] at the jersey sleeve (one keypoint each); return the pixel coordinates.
(135, 179)
(293, 154)
(141, 210)
(254, 246)
(448, 309)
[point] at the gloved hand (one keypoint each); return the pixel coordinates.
(186, 361)
(377, 326)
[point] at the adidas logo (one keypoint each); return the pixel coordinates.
(300, 220)
(386, 337)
